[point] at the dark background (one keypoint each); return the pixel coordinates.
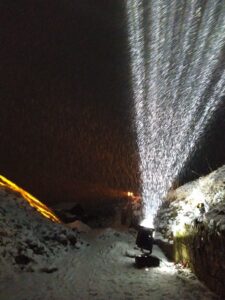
(65, 101)
(65, 125)
(210, 153)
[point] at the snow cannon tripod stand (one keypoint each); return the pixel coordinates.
(145, 241)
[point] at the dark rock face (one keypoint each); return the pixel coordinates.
(125, 211)
(192, 225)
(22, 259)
(203, 251)
(68, 215)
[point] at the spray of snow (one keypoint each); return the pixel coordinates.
(178, 78)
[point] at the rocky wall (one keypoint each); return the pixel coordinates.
(192, 227)
(203, 251)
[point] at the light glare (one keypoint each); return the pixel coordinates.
(148, 223)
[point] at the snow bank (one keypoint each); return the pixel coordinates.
(193, 218)
(29, 241)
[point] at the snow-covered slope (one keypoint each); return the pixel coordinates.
(201, 201)
(27, 239)
(194, 221)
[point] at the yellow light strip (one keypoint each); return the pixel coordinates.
(34, 202)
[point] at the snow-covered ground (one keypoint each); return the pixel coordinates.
(99, 266)
(103, 269)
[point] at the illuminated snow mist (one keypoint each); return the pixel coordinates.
(178, 62)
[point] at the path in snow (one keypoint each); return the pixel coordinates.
(103, 270)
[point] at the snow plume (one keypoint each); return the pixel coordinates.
(178, 78)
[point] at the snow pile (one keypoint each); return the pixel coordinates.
(28, 241)
(199, 202)
(79, 226)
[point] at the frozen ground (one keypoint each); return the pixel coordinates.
(103, 269)
(42, 260)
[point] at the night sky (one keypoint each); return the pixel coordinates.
(65, 124)
(65, 104)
